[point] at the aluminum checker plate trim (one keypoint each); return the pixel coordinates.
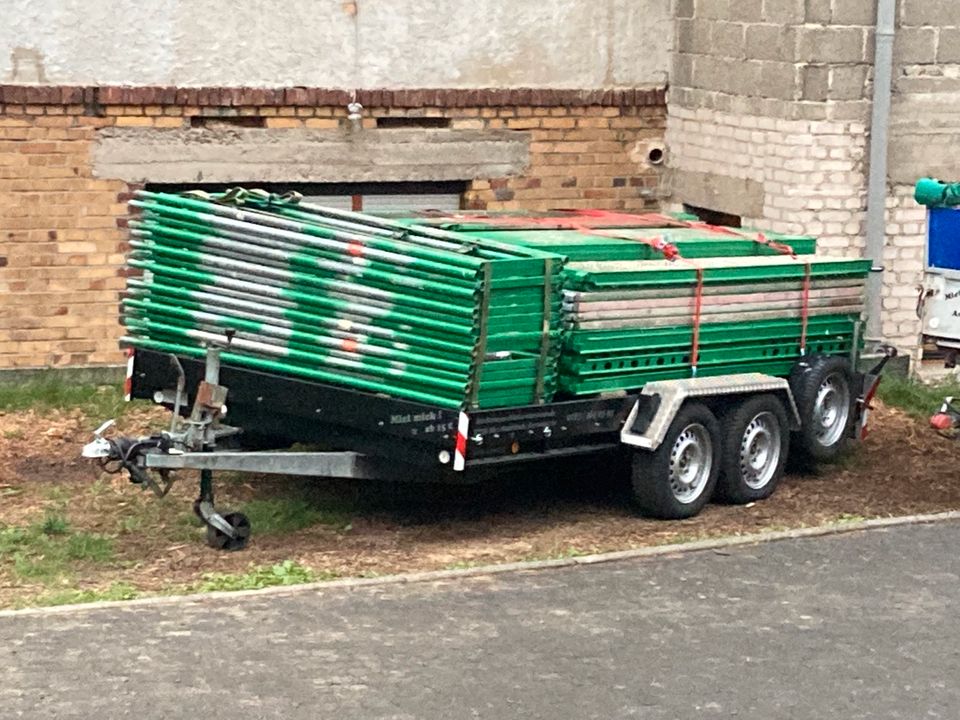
(673, 393)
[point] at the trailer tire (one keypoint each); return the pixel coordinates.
(677, 479)
(822, 387)
(756, 441)
(219, 540)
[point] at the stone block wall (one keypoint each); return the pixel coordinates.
(62, 220)
(769, 119)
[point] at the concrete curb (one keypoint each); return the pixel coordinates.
(535, 565)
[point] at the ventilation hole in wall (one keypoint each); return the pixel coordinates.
(388, 123)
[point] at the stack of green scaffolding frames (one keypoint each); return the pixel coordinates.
(338, 297)
(480, 312)
(630, 314)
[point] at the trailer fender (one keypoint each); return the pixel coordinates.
(650, 418)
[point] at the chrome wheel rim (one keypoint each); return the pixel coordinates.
(831, 409)
(760, 450)
(691, 460)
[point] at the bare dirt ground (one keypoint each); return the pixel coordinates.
(366, 529)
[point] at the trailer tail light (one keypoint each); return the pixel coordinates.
(128, 381)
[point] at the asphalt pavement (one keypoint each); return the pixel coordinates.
(861, 625)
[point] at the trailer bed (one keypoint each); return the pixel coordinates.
(277, 411)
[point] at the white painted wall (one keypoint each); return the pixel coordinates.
(331, 43)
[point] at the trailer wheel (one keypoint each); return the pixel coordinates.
(677, 479)
(756, 439)
(822, 388)
(219, 540)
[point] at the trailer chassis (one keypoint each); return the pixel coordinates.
(386, 438)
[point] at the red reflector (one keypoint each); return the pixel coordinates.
(128, 381)
(941, 421)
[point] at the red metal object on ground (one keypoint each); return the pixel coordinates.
(941, 421)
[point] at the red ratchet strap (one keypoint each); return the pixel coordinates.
(671, 253)
(761, 239)
(780, 247)
(573, 220)
(805, 312)
(697, 314)
(659, 243)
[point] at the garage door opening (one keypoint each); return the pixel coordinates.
(381, 198)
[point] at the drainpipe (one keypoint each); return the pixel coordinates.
(877, 184)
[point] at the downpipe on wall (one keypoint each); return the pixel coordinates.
(877, 182)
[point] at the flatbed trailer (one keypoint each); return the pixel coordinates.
(686, 437)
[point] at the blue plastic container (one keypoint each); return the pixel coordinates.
(943, 238)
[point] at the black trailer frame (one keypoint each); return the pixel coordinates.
(279, 411)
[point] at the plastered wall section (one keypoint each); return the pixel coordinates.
(337, 43)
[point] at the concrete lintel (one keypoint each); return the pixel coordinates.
(300, 155)
(738, 196)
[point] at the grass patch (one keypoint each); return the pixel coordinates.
(276, 516)
(921, 400)
(116, 591)
(286, 573)
(48, 550)
(51, 391)
(89, 547)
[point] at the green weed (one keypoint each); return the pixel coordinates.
(11, 538)
(129, 524)
(285, 515)
(286, 573)
(116, 591)
(54, 524)
(850, 518)
(464, 565)
(89, 547)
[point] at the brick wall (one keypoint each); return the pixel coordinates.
(62, 237)
(807, 175)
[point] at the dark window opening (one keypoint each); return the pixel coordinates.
(714, 217)
(374, 197)
(388, 123)
(212, 121)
